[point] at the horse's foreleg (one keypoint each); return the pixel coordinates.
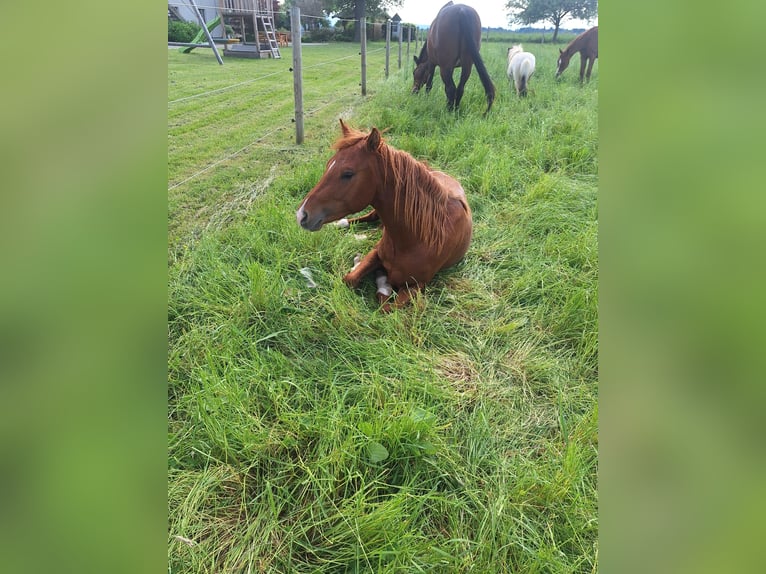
(583, 60)
(366, 218)
(430, 80)
(368, 263)
(403, 296)
(384, 292)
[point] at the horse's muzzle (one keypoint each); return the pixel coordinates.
(305, 222)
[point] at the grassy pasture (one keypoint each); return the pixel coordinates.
(310, 433)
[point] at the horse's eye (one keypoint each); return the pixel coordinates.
(348, 174)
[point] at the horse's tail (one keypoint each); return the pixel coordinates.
(527, 68)
(473, 45)
(522, 87)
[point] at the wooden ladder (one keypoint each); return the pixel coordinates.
(268, 27)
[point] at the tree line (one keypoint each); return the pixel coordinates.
(524, 12)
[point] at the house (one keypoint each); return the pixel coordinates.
(396, 26)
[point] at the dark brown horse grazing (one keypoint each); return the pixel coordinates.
(427, 223)
(587, 44)
(453, 42)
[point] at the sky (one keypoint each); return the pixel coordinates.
(492, 13)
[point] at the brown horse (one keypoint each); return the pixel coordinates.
(453, 42)
(426, 219)
(587, 44)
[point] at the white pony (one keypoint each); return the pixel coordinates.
(521, 66)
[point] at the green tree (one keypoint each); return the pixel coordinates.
(360, 8)
(313, 8)
(553, 11)
(355, 9)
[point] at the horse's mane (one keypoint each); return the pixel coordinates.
(570, 48)
(418, 195)
(423, 52)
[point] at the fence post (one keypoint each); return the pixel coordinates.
(388, 44)
(295, 30)
(399, 35)
(409, 39)
(363, 52)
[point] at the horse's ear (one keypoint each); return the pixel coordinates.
(416, 60)
(561, 51)
(373, 140)
(343, 127)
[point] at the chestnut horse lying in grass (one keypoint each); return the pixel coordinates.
(426, 219)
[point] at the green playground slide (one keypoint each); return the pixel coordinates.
(198, 39)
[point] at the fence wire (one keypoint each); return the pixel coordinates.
(247, 82)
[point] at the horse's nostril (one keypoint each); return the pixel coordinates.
(301, 217)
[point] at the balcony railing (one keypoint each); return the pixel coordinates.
(245, 7)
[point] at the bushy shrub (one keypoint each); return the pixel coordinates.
(318, 35)
(182, 31)
(346, 33)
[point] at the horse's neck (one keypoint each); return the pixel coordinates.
(387, 206)
(392, 194)
(579, 43)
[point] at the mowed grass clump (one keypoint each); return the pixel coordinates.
(310, 433)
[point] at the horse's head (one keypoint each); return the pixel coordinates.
(349, 181)
(562, 62)
(423, 70)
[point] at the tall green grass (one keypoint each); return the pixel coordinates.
(310, 433)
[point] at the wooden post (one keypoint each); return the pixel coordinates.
(295, 29)
(409, 39)
(207, 32)
(388, 44)
(363, 52)
(399, 36)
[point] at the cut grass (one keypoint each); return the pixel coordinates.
(310, 433)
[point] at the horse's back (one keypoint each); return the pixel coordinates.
(450, 185)
(520, 67)
(522, 63)
(446, 28)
